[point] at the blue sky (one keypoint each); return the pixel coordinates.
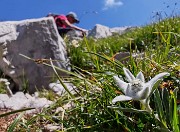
(111, 13)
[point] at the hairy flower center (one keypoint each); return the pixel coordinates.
(136, 85)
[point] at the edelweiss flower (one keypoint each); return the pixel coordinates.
(136, 89)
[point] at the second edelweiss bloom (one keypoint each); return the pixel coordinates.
(136, 88)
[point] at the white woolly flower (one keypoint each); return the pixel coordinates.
(136, 89)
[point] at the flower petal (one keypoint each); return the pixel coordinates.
(128, 74)
(143, 94)
(128, 91)
(140, 76)
(145, 103)
(156, 78)
(121, 98)
(121, 84)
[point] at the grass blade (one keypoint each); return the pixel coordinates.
(128, 109)
(159, 107)
(60, 80)
(175, 122)
(11, 128)
(15, 111)
(166, 103)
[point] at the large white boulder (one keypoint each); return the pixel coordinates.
(37, 39)
(100, 31)
(120, 30)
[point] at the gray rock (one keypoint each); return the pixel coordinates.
(28, 96)
(21, 100)
(99, 31)
(34, 38)
(2, 106)
(19, 95)
(16, 103)
(4, 97)
(124, 57)
(120, 30)
(75, 35)
(59, 89)
(39, 103)
(52, 128)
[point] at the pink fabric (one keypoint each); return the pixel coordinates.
(59, 20)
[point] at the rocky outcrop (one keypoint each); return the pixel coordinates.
(58, 88)
(75, 35)
(121, 30)
(124, 57)
(34, 38)
(21, 100)
(100, 31)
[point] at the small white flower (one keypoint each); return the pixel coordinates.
(4, 82)
(75, 43)
(136, 89)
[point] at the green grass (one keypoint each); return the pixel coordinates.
(162, 54)
(92, 73)
(150, 36)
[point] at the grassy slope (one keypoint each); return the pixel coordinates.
(143, 38)
(161, 44)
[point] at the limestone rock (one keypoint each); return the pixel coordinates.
(39, 103)
(75, 35)
(34, 38)
(21, 100)
(59, 89)
(4, 97)
(100, 31)
(120, 30)
(124, 57)
(15, 103)
(2, 104)
(52, 128)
